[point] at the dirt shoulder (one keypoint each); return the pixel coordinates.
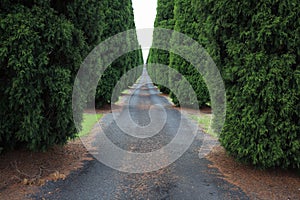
(257, 184)
(22, 172)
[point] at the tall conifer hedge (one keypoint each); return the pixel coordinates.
(42, 46)
(164, 19)
(256, 46)
(118, 18)
(39, 54)
(176, 15)
(184, 23)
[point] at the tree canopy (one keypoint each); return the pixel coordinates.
(255, 46)
(42, 46)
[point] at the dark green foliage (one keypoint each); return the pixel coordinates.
(43, 43)
(39, 53)
(119, 15)
(185, 23)
(164, 19)
(256, 46)
(176, 15)
(86, 15)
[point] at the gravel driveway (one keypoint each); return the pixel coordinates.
(189, 177)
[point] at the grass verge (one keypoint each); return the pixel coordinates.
(89, 120)
(204, 121)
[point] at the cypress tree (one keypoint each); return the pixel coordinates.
(256, 47)
(86, 15)
(43, 45)
(118, 18)
(184, 23)
(39, 54)
(164, 19)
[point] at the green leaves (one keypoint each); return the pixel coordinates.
(256, 48)
(42, 46)
(256, 52)
(164, 19)
(37, 60)
(118, 18)
(175, 15)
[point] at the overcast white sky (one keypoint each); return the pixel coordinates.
(144, 16)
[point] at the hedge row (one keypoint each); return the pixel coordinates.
(164, 19)
(174, 15)
(256, 46)
(42, 46)
(124, 10)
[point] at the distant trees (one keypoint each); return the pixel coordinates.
(175, 15)
(42, 46)
(184, 23)
(256, 48)
(124, 21)
(164, 19)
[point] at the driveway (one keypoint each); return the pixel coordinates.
(124, 176)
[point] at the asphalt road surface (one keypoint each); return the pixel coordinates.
(189, 177)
